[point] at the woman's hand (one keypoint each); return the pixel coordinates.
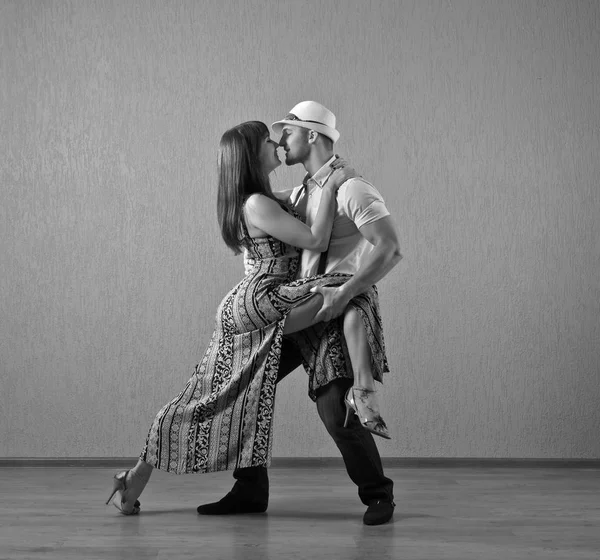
(338, 163)
(341, 173)
(340, 176)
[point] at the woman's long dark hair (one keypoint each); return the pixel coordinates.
(240, 175)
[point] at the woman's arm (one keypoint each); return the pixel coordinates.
(265, 214)
(284, 196)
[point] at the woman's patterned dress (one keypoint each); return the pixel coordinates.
(222, 418)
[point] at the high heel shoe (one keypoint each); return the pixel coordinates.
(365, 408)
(120, 486)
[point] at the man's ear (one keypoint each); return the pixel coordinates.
(312, 136)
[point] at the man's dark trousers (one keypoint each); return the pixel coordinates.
(356, 444)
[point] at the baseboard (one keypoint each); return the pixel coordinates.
(329, 462)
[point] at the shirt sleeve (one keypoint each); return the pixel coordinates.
(362, 202)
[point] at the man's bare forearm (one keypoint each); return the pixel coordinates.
(383, 257)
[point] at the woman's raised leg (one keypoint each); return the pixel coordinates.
(358, 349)
(303, 316)
(361, 397)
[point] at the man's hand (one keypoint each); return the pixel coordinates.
(335, 301)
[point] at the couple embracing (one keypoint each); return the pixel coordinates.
(312, 257)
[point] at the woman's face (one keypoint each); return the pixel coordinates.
(267, 155)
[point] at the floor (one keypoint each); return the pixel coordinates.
(457, 513)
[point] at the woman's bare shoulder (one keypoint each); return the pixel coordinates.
(258, 202)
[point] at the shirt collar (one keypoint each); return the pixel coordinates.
(321, 175)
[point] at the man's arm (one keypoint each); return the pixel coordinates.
(384, 256)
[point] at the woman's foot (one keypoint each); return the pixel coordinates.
(363, 402)
(128, 486)
(134, 486)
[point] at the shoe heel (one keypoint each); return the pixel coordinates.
(112, 496)
(348, 412)
(349, 408)
(117, 485)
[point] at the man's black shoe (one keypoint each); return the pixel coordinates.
(379, 512)
(233, 504)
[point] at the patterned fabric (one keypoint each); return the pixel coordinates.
(324, 351)
(223, 417)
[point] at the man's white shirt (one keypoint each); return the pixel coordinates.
(358, 203)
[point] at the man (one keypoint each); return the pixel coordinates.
(363, 243)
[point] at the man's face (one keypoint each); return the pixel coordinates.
(294, 140)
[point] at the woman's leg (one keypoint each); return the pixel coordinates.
(135, 482)
(141, 472)
(358, 349)
(299, 318)
(303, 316)
(362, 394)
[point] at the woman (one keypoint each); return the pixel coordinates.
(222, 419)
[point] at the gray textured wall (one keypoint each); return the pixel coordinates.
(478, 121)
